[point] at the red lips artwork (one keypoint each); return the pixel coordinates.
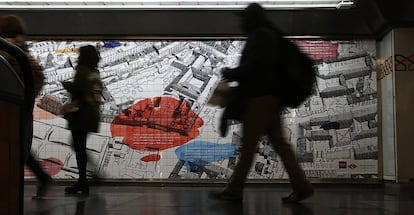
(156, 124)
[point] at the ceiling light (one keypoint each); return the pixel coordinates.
(172, 4)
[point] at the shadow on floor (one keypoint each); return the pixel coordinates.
(124, 200)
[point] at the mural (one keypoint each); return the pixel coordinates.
(156, 123)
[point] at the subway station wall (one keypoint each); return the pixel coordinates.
(156, 123)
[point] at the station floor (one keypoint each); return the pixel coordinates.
(111, 199)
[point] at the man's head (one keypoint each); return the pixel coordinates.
(88, 56)
(12, 26)
(252, 17)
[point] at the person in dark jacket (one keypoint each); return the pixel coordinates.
(86, 91)
(13, 29)
(260, 98)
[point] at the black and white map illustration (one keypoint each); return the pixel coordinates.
(156, 123)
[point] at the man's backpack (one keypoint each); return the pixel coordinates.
(298, 76)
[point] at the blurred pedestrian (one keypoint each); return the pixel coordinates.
(86, 91)
(13, 29)
(262, 113)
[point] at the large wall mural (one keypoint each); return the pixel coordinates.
(156, 123)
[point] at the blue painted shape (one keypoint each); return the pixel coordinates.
(111, 44)
(201, 153)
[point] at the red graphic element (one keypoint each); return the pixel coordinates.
(319, 50)
(47, 107)
(151, 157)
(156, 124)
(52, 166)
(41, 114)
(385, 68)
(342, 164)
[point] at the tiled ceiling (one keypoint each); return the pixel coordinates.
(173, 4)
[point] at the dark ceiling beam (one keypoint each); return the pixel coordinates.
(397, 13)
(202, 23)
(369, 19)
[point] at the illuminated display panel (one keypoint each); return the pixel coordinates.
(156, 124)
(173, 4)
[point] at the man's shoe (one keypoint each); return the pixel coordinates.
(76, 188)
(43, 188)
(223, 127)
(297, 196)
(224, 196)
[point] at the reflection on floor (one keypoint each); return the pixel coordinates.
(263, 200)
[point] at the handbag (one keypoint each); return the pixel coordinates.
(222, 95)
(69, 108)
(231, 100)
